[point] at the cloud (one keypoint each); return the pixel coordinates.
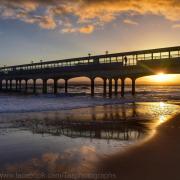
(176, 26)
(85, 29)
(84, 16)
(129, 21)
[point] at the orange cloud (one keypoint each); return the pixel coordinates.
(129, 21)
(84, 16)
(47, 23)
(86, 29)
(176, 26)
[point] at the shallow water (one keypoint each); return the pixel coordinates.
(79, 97)
(41, 144)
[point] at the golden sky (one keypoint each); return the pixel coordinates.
(161, 79)
(34, 30)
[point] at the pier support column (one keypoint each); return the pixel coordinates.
(26, 85)
(122, 86)
(34, 86)
(44, 86)
(66, 85)
(10, 85)
(55, 86)
(133, 86)
(116, 86)
(104, 86)
(92, 87)
(110, 87)
(16, 85)
(20, 85)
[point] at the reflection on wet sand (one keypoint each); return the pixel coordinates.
(100, 130)
(71, 161)
(123, 122)
(75, 140)
(108, 122)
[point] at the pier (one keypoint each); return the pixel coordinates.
(111, 68)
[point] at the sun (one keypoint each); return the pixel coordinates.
(163, 78)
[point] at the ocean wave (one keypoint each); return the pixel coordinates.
(19, 103)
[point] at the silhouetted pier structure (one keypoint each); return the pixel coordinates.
(109, 67)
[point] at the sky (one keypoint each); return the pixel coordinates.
(34, 30)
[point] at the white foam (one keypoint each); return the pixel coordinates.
(39, 103)
(18, 104)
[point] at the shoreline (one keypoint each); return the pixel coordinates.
(50, 103)
(156, 158)
(31, 104)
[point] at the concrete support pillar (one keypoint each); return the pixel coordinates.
(122, 86)
(116, 87)
(92, 87)
(55, 86)
(104, 86)
(34, 86)
(110, 87)
(26, 85)
(10, 85)
(133, 86)
(20, 85)
(44, 86)
(66, 85)
(16, 84)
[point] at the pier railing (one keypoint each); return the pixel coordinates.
(132, 59)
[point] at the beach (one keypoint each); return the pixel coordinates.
(157, 158)
(82, 137)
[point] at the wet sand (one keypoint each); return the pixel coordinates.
(40, 144)
(157, 158)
